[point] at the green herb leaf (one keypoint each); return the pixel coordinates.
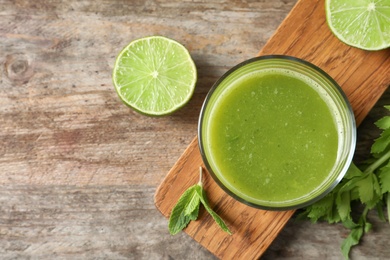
(343, 202)
(184, 211)
(350, 224)
(382, 142)
(356, 234)
(383, 123)
(353, 171)
(324, 209)
(369, 190)
(367, 227)
(384, 179)
(352, 240)
(187, 208)
(215, 216)
(381, 213)
(193, 205)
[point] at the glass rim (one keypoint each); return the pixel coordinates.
(348, 112)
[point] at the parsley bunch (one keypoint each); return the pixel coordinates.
(368, 186)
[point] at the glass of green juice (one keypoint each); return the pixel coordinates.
(276, 132)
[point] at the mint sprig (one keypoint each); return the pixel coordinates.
(368, 186)
(187, 208)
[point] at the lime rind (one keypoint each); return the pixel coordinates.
(364, 24)
(155, 75)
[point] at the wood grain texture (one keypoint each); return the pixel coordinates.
(303, 34)
(78, 169)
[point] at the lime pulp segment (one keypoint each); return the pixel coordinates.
(154, 75)
(364, 24)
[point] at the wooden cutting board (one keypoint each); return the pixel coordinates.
(363, 75)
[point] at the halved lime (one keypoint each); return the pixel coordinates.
(364, 24)
(154, 75)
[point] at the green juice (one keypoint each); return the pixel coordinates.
(275, 137)
(272, 138)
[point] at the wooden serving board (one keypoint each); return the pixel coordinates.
(363, 75)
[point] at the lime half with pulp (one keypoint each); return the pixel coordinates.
(154, 75)
(364, 24)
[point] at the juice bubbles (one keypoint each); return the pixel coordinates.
(276, 133)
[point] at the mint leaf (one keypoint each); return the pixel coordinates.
(180, 215)
(193, 205)
(215, 216)
(187, 208)
(194, 214)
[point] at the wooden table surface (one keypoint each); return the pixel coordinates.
(78, 169)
